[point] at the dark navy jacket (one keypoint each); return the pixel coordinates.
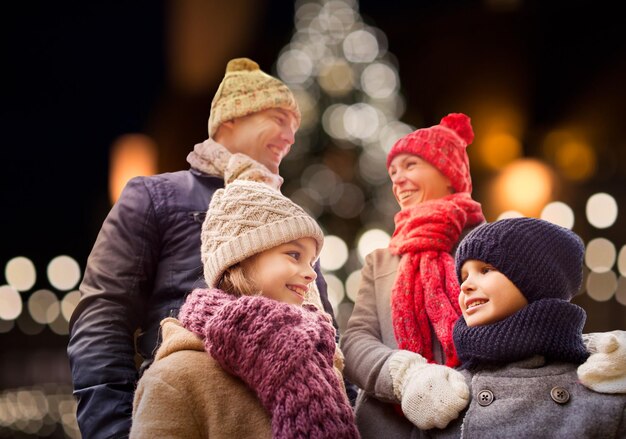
(145, 260)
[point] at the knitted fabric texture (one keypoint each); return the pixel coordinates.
(542, 259)
(284, 353)
(426, 289)
(246, 89)
(247, 218)
(444, 147)
(213, 158)
(548, 327)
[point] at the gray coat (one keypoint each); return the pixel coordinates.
(535, 399)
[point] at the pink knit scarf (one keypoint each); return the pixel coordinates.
(282, 352)
(426, 289)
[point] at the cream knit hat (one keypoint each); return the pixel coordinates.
(246, 89)
(247, 218)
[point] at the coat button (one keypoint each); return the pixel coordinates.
(485, 397)
(559, 395)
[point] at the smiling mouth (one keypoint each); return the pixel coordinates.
(406, 194)
(276, 150)
(476, 303)
(300, 291)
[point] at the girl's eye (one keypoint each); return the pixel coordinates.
(410, 165)
(486, 269)
(295, 255)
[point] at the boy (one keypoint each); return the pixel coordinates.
(520, 339)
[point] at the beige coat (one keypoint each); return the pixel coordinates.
(186, 394)
(368, 342)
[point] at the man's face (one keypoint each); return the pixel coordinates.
(266, 136)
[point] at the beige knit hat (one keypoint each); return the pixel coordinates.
(246, 89)
(247, 218)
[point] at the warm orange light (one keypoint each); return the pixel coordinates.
(576, 160)
(499, 126)
(571, 153)
(525, 186)
(132, 155)
(499, 149)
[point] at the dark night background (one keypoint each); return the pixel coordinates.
(77, 75)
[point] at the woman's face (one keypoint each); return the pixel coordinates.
(415, 180)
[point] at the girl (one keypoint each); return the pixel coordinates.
(248, 357)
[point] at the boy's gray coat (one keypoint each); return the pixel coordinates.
(529, 402)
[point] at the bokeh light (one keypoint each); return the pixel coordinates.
(44, 307)
(69, 303)
(353, 283)
(332, 121)
(621, 261)
(347, 201)
(558, 213)
(575, 160)
(361, 121)
(370, 241)
(336, 291)
(379, 80)
(499, 149)
(20, 273)
(294, 66)
(10, 303)
(336, 77)
(132, 155)
(63, 273)
(334, 253)
(392, 132)
(525, 185)
(600, 255)
(507, 214)
(360, 46)
(601, 286)
(601, 210)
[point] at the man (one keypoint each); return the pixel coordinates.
(147, 255)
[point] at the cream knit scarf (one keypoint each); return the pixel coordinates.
(214, 159)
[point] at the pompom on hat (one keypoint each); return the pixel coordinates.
(444, 147)
(542, 259)
(246, 218)
(246, 89)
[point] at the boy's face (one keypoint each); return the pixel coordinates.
(266, 136)
(414, 181)
(284, 273)
(487, 296)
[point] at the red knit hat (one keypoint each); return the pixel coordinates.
(443, 146)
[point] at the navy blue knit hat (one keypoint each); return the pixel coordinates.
(542, 259)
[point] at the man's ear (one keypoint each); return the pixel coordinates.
(223, 129)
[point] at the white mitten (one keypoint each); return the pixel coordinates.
(432, 395)
(605, 370)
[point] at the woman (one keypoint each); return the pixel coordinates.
(407, 305)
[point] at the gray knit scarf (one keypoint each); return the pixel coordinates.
(213, 158)
(548, 327)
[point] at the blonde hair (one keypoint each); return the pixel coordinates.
(237, 281)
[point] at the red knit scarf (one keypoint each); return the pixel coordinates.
(426, 287)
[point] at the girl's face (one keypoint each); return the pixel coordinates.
(284, 273)
(487, 296)
(414, 181)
